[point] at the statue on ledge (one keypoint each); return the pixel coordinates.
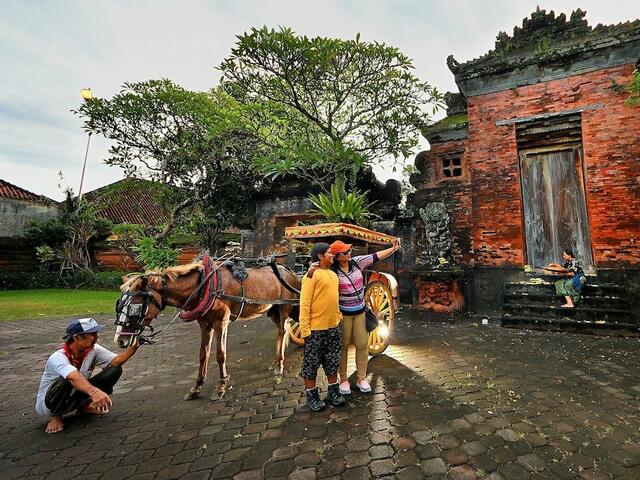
(436, 245)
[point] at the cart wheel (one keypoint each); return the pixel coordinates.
(293, 328)
(379, 299)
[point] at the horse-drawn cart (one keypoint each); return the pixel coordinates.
(381, 292)
(215, 292)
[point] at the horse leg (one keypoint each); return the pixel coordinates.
(279, 317)
(220, 331)
(206, 335)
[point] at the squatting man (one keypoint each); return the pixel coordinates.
(67, 382)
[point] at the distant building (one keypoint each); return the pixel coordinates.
(18, 207)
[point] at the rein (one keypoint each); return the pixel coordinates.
(283, 282)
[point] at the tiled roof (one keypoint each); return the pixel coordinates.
(9, 190)
(131, 200)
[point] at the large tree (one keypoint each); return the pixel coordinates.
(194, 141)
(327, 105)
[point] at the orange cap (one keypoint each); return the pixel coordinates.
(339, 247)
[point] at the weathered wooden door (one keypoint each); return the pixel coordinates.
(555, 211)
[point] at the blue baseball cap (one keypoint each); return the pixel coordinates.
(81, 326)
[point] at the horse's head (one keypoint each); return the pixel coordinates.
(143, 298)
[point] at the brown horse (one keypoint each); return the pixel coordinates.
(152, 292)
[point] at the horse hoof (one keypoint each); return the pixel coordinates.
(277, 378)
(217, 395)
(192, 394)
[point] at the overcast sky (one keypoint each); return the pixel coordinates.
(49, 50)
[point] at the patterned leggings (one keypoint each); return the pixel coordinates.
(322, 347)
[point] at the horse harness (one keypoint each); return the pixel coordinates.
(130, 314)
(210, 269)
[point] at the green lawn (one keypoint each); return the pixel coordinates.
(23, 304)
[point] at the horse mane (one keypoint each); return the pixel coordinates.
(172, 273)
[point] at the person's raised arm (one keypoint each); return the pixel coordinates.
(395, 246)
(126, 355)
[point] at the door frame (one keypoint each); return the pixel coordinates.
(575, 147)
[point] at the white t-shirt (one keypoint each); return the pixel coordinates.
(59, 365)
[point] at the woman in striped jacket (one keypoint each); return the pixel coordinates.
(352, 306)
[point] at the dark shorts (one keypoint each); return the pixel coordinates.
(62, 398)
(322, 347)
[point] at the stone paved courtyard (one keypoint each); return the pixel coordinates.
(454, 401)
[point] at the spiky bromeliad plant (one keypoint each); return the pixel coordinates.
(340, 206)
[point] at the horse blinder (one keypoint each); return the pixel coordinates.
(131, 315)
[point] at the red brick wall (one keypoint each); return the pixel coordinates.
(455, 192)
(611, 153)
(118, 259)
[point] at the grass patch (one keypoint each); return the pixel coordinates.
(51, 303)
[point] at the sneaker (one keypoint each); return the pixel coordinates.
(363, 386)
(313, 400)
(345, 388)
(334, 396)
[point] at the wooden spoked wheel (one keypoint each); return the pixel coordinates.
(293, 328)
(379, 299)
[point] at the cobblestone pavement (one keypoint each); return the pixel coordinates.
(454, 401)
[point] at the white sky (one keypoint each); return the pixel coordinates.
(50, 50)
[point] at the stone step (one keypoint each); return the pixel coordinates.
(594, 289)
(571, 325)
(550, 298)
(579, 312)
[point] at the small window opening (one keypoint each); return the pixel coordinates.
(451, 167)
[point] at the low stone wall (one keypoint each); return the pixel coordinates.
(15, 215)
(17, 256)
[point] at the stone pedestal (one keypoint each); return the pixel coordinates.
(438, 290)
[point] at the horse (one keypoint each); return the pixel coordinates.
(144, 296)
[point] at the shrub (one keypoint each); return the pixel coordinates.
(52, 232)
(340, 206)
(154, 255)
(44, 279)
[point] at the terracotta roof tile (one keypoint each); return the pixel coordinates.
(131, 200)
(9, 190)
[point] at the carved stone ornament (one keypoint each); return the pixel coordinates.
(436, 245)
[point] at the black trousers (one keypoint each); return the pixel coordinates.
(62, 398)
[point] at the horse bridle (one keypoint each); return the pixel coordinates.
(131, 315)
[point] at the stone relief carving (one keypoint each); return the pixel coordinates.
(436, 245)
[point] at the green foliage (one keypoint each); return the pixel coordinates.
(197, 142)
(84, 226)
(66, 240)
(45, 279)
(50, 232)
(634, 90)
(153, 255)
(340, 206)
(47, 256)
(128, 235)
(209, 226)
(325, 106)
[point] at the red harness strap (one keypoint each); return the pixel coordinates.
(209, 292)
